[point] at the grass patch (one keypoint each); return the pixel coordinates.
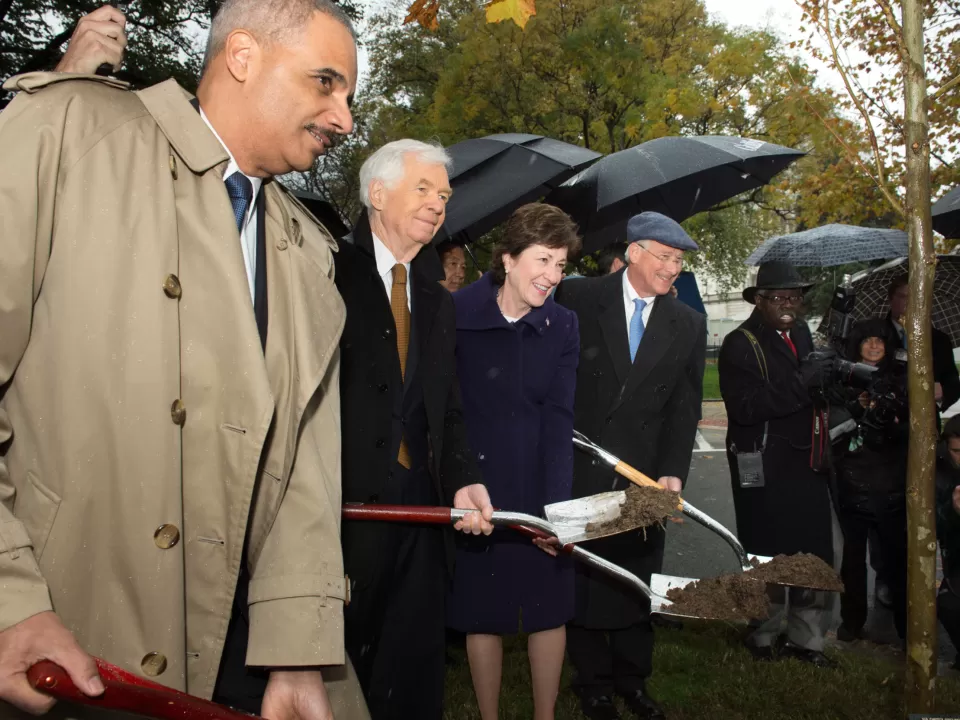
(703, 672)
(711, 382)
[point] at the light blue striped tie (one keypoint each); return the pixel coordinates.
(636, 326)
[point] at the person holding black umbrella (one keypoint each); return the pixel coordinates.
(782, 505)
(639, 388)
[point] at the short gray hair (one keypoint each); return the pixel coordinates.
(268, 21)
(387, 163)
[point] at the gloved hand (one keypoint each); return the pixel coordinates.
(816, 369)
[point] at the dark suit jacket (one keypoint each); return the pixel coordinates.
(372, 388)
(645, 413)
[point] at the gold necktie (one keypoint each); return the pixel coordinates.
(401, 316)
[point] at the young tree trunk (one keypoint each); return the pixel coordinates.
(921, 531)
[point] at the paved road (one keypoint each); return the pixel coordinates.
(694, 551)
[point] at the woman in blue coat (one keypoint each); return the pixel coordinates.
(517, 354)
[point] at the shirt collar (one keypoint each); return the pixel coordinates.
(630, 294)
(232, 166)
(385, 258)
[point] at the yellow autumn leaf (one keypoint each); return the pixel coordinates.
(517, 10)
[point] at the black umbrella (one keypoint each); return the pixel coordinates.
(492, 176)
(946, 214)
(830, 245)
(676, 176)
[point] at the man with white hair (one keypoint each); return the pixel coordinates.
(404, 439)
(169, 448)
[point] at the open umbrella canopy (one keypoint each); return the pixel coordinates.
(492, 176)
(831, 245)
(946, 214)
(675, 176)
(872, 288)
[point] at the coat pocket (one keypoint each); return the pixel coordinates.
(36, 507)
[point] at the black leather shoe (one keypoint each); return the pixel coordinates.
(599, 707)
(642, 705)
(814, 657)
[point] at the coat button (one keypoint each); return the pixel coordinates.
(153, 664)
(171, 287)
(166, 536)
(381, 442)
(282, 245)
(173, 166)
(383, 387)
(178, 412)
(387, 333)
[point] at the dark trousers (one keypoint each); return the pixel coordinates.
(395, 622)
(890, 527)
(237, 685)
(608, 661)
(948, 612)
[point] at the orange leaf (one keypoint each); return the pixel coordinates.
(423, 12)
(517, 10)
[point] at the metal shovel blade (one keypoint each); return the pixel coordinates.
(572, 518)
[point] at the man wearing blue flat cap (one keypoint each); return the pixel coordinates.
(639, 392)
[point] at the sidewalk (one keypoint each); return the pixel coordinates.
(714, 414)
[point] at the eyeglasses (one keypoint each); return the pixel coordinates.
(665, 259)
(783, 299)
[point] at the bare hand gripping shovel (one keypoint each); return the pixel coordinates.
(533, 527)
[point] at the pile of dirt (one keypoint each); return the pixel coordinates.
(803, 570)
(644, 506)
(728, 597)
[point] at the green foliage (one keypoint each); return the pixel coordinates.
(609, 76)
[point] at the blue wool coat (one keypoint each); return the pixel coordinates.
(518, 382)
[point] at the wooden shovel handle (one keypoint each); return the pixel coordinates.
(638, 478)
(129, 693)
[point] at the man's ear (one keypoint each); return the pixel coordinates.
(241, 51)
(378, 193)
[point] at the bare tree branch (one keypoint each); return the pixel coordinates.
(945, 88)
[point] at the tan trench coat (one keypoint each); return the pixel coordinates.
(140, 405)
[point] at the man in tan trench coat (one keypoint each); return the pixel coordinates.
(166, 411)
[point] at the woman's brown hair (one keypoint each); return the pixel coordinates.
(534, 224)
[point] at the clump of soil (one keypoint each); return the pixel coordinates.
(803, 570)
(728, 597)
(643, 507)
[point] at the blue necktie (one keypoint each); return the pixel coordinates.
(240, 190)
(636, 326)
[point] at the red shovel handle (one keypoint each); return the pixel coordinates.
(399, 513)
(129, 693)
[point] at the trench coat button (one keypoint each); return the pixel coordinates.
(282, 244)
(178, 412)
(173, 166)
(153, 664)
(382, 387)
(166, 536)
(171, 287)
(381, 442)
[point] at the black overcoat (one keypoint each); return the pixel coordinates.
(372, 388)
(645, 412)
(791, 512)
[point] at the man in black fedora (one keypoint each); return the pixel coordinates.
(781, 504)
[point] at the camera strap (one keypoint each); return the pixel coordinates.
(762, 363)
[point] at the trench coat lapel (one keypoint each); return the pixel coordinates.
(304, 306)
(613, 324)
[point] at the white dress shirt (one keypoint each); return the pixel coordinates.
(385, 263)
(629, 295)
(248, 234)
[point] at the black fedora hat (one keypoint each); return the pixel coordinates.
(776, 276)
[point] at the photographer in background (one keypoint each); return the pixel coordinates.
(870, 463)
(782, 504)
(948, 530)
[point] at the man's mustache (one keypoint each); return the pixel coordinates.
(332, 136)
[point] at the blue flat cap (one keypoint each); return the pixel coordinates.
(654, 226)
